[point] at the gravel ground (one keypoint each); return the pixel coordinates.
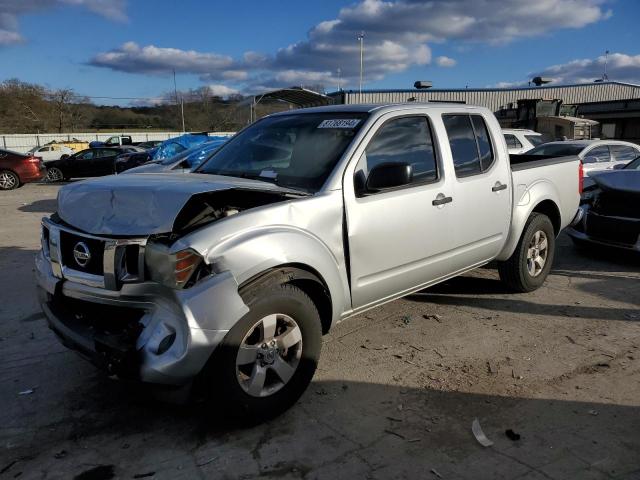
(394, 397)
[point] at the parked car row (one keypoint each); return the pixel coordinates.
(92, 162)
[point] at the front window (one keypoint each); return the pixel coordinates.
(297, 151)
(557, 149)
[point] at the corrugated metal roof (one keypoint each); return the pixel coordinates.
(494, 98)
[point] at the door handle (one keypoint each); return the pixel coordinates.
(441, 200)
(499, 186)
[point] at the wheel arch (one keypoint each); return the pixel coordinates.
(541, 197)
(302, 276)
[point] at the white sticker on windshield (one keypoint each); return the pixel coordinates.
(268, 174)
(340, 123)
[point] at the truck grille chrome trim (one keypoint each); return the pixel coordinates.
(123, 259)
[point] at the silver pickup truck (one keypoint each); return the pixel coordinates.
(227, 278)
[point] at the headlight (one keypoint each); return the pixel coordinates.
(171, 269)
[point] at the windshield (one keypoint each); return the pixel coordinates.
(557, 149)
(633, 164)
(297, 151)
(535, 140)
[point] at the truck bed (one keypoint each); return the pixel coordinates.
(524, 161)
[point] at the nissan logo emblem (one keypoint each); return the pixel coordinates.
(81, 254)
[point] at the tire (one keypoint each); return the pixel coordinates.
(9, 180)
(521, 273)
(54, 174)
(232, 387)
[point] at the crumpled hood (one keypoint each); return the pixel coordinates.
(140, 204)
(625, 181)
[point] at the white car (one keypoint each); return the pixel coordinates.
(596, 155)
(520, 140)
(51, 152)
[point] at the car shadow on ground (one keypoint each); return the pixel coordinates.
(338, 430)
(48, 205)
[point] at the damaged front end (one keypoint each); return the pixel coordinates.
(608, 211)
(138, 305)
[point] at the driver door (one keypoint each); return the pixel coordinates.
(397, 238)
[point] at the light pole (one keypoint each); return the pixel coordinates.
(606, 57)
(361, 39)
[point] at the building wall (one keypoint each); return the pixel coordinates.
(496, 98)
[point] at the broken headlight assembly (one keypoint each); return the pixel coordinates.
(175, 270)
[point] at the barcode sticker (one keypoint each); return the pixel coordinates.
(340, 123)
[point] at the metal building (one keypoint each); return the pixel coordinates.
(495, 98)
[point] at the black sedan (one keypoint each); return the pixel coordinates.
(609, 213)
(127, 160)
(92, 162)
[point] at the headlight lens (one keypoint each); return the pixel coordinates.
(171, 269)
(186, 263)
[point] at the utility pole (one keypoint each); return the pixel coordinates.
(606, 57)
(361, 40)
(339, 78)
(175, 90)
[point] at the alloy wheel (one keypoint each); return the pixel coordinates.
(269, 355)
(537, 253)
(8, 181)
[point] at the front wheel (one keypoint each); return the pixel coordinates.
(8, 180)
(268, 359)
(528, 267)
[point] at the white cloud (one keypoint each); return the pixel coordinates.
(620, 66)
(219, 90)
(131, 57)
(398, 35)
(11, 10)
(444, 61)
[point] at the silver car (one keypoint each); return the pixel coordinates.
(231, 274)
(596, 155)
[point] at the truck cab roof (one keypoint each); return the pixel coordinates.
(381, 108)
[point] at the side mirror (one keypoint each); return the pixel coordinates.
(389, 175)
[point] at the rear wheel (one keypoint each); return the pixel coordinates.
(9, 180)
(54, 174)
(268, 358)
(528, 267)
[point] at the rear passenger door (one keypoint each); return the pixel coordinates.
(482, 189)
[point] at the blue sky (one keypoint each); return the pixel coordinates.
(120, 48)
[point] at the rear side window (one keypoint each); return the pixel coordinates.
(598, 154)
(470, 144)
(404, 140)
(623, 153)
(512, 141)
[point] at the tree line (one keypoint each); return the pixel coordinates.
(32, 108)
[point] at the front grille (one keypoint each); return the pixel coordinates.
(108, 262)
(612, 229)
(95, 248)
